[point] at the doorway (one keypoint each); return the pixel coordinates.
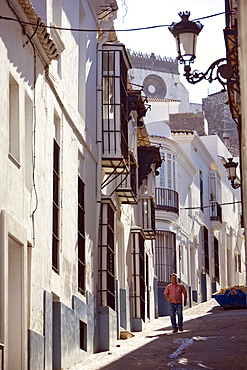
(15, 305)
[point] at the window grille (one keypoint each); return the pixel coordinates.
(115, 97)
(107, 257)
(216, 260)
(205, 248)
(215, 212)
(138, 273)
(81, 237)
(165, 256)
(55, 222)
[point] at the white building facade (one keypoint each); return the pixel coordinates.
(80, 214)
(198, 216)
(76, 203)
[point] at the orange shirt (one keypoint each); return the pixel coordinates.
(175, 292)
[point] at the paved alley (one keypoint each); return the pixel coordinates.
(213, 338)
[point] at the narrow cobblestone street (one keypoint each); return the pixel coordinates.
(213, 338)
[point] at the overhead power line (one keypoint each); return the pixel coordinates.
(96, 30)
(212, 204)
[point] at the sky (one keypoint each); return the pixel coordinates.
(146, 13)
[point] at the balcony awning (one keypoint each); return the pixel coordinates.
(147, 155)
(230, 35)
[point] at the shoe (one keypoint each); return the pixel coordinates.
(180, 329)
(175, 330)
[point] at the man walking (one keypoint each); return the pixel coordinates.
(174, 294)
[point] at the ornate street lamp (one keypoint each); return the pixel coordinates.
(231, 172)
(185, 32)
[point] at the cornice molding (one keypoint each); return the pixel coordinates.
(38, 32)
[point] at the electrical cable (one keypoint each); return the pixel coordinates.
(97, 30)
(213, 203)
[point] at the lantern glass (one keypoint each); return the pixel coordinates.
(231, 169)
(232, 172)
(186, 46)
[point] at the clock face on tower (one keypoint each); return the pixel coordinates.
(154, 86)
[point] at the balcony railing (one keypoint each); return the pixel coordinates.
(127, 190)
(148, 217)
(167, 200)
(215, 212)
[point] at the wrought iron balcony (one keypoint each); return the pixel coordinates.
(114, 109)
(167, 200)
(127, 188)
(215, 212)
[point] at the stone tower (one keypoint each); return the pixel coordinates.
(220, 122)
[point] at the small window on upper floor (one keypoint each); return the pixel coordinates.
(14, 119)
(28, 142)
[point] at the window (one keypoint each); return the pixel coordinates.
(28, 141)
(14, 129)
(205, 248)
(215, 187)
(216, 259)
(147, 214)
(133, 174)
(167, 176)
(115, 118)
(138, 273)
(55, 223)
(110, 258)
(81, 237)
(107, 256)
(162, 172)
(238, 262)
(201, 190)
(165, 256)
(83, 336)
